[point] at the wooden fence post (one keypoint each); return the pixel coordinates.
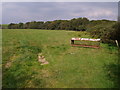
(117, 43)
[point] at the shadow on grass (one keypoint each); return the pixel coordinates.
(113, 72)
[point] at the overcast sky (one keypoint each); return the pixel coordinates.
(15, 12)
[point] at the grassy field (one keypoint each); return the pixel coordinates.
(69, 67)
(5, 26)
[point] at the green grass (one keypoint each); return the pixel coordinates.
(5, 26)
(69, 67)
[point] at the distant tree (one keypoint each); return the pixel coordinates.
(115, 32)
(13, 26)
(20, 26)
(26, 25)
(64, 25)
(46, 25)
(40, 25)
(78, 24)
(10, 25)
(85, 21)
(107, 33)
(81, 28)
(0, 26)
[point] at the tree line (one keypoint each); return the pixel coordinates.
(76, 24)
(107, 30)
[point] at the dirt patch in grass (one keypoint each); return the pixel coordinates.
(42, 59)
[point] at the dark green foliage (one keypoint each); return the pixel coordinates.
(77, 24)
(115, 33)
(20, 25)
(81, 28)
(13, 26)
(103, 29)
(65, 25)
(111, 34)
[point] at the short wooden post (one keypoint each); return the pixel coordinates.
(117, 43)
(72, 41)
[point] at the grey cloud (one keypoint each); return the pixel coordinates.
(46, 11)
